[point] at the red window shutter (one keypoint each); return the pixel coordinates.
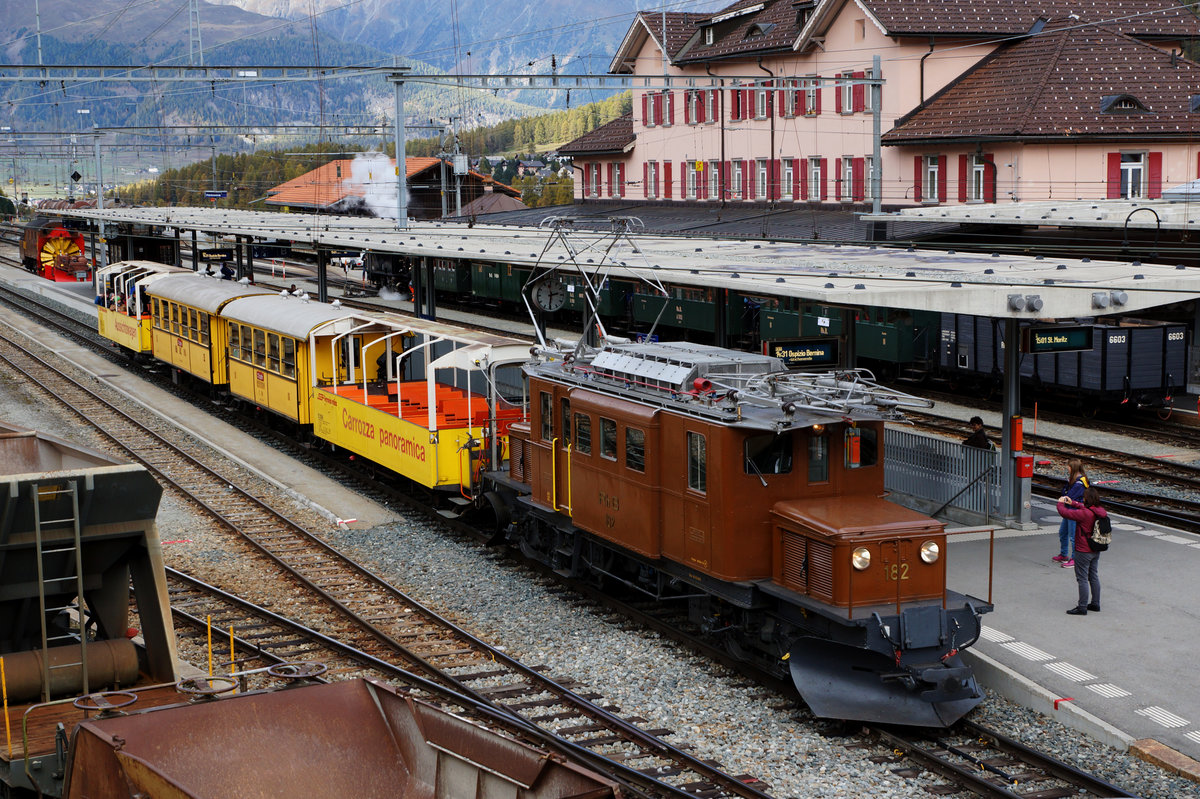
(646, 187)
(776, 179)
(670, 100)
(645, 113)
(799, 103)
(747, 104)
(917, 165)
(610, 180)
(735, 105)
(824, 179)
(687, 108)
(1114, 175)
(837, 97)
(964, 167)
(621, 178)
(748, 179)
(666, 165)
(771, 101)
(817, 94)
(859, 92)
(858, 169)
(658, 109)
(781, 99)
(837, 178)
(1155, 188)
(989, 178)
(727, 182)
(942, 179)
(803, 170)
(798, 188)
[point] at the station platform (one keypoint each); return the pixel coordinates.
(1121, 675)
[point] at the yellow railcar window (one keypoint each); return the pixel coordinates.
(155, 313)
(289, 357)
(697, 462)
(260, 348)
(273, 351)
(235, 341)
(635, 449)
(174, 318)
(583, 434)
(204, 328)
(193, 325)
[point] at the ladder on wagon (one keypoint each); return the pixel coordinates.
(64, 560)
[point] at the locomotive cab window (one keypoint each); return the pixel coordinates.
(583, 434)
(868, 443)
(697, 462)
(635, 449)
(566, 422)
(546, 407)
(818, 456)
(769, 454)
(608, 439)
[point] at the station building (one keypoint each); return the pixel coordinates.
(980, 103)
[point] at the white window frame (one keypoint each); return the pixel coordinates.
(846, 87)
(1133, 171)
(651, 180)
(976, 178)
(787, 177)
(810, 95)
(710, 107)
(735, 180)
(847, 193)
(593, 183)
(760, 102)
(692, 106)
(814, 178)
(708, 35)
(691, 180)
(618, 175)
(869, 178)
(714, 180)
(667, 98)
(929, 179)
(869, 93)
(762, 178)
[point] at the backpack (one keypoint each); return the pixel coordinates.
(1101, 535)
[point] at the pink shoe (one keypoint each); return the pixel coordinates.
(1068, 564)
(1059, 558)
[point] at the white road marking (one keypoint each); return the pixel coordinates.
(1073, 673)
(1163, 717)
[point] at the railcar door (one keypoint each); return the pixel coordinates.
(562, 457)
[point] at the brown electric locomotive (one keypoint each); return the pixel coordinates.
(754, 494)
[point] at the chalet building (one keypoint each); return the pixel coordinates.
(980, 103)
(349, 186)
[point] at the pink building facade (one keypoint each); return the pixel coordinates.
(1021, 101)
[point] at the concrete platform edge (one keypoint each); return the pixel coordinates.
(1018, 688)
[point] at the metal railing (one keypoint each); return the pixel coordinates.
(943, 473)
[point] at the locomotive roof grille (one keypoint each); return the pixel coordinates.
(675, 366)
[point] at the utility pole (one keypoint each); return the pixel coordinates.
(195, 49)
(102, 260)
(397, 77)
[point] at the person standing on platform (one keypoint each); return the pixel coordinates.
(1077, 483)
(1087, 562)
(978, 437)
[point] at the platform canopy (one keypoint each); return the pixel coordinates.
(1000, 286)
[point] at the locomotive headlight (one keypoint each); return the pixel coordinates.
(861, 558)
(930, 551)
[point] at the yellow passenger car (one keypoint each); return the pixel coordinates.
(271, 364)
(185, 324)
(123, 312)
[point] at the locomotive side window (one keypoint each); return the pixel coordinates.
(260, 348)
(769, 454)
(818, 458)
(547, 411)
(566, 422)
(583, 434)
(635, 449)
(235, 341)
(289, 357)
(273, 351)
(608, 439)
(697, 462)
(868, 443)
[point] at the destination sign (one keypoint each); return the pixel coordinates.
(797, 353)
(215, 194)
(1043, 340)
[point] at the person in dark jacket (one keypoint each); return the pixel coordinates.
(1087, 562)
(1077, 483)
(978, 438)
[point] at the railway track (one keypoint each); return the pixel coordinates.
(374, 617)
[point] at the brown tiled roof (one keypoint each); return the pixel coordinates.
(681, 25)
(329, 184)
(745, 35)
(1052, 85)
(492, 202)
(612, 137)
(1141, 18)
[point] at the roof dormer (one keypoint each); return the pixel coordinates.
(1122, 104)
(759, 29)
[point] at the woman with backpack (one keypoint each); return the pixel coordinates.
(1087, 553)
(1077, 482)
